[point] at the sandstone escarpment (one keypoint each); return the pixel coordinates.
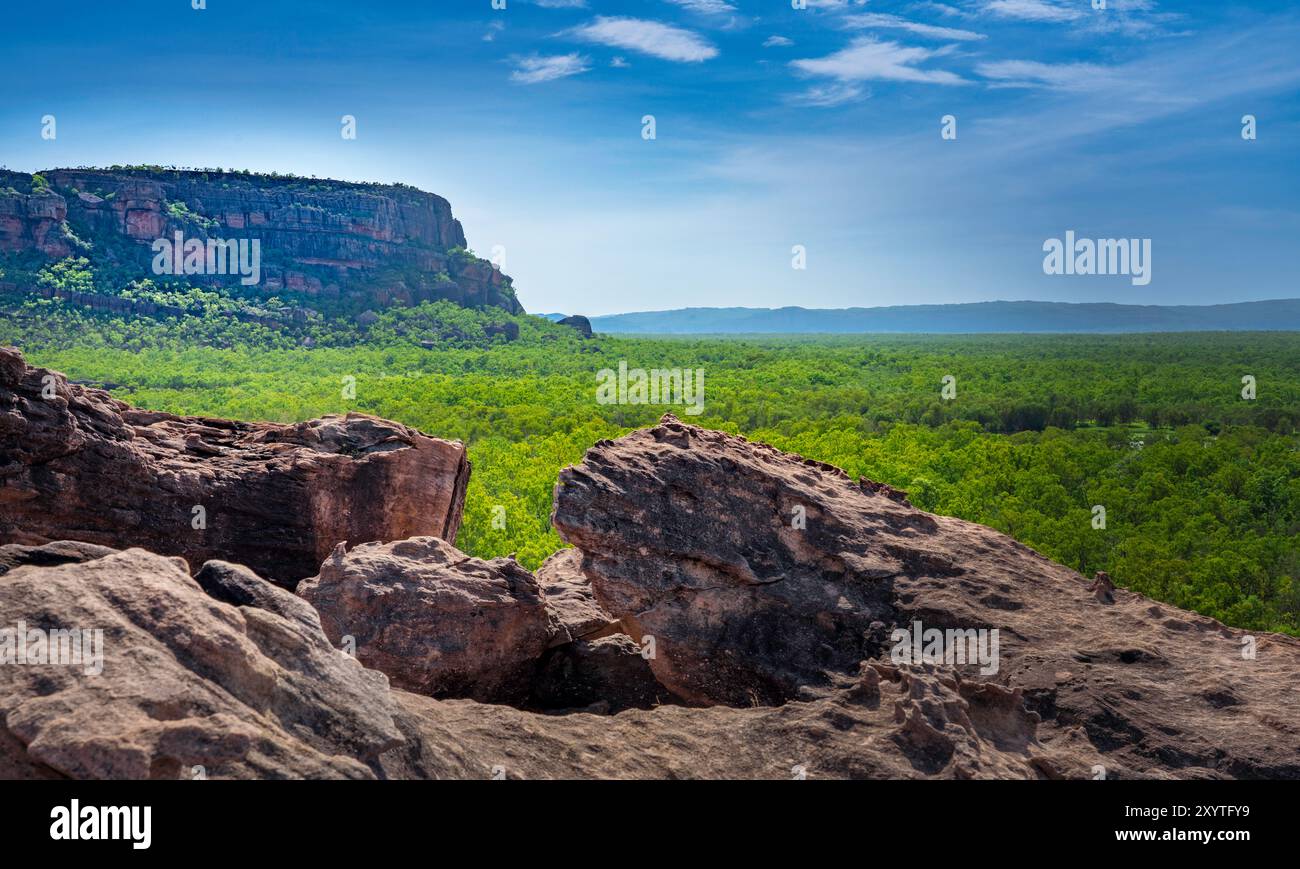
(77, 464)
(354, 245)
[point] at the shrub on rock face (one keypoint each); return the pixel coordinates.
(435, 620)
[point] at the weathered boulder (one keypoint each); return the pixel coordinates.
(82, 465)
(785, 618)
(686, 536)
(434, 619)
(170, 683)
(510, 329)
(238, 586)
(762, 575)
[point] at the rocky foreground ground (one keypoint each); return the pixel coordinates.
(727, 610)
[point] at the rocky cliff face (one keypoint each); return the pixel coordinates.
(746, 613)
(33, 222)
(364, 245)
(76, 463)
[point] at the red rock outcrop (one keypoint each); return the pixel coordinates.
(81, 465)
(244, 684)
(571, 601)
(33, 221)
(761, 575)
(888, 723)
(434, 619)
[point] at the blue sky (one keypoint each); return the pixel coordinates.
(775, 127)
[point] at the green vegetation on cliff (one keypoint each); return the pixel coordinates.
(308, 248)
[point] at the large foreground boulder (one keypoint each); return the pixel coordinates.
(77, 464)
(759, 574)
(436, 620)
(122, 667)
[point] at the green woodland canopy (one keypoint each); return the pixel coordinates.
(1201, 487)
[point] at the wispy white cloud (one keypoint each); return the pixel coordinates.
(1136, 18)
(648, 37)
(867, 59)
(835, 4)
(1057, 76)
(705, 7)
(943, 9)
(538, 68)
(836, 94)
(777, 42)
(877, 20)
(560, 4)
(1034, 10)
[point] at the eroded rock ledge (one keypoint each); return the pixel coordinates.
(77, 464)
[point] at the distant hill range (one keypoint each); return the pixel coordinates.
(1275, 315)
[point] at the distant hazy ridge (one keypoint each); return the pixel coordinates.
(1283, 314)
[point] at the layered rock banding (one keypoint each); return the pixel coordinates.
(361, 244)
(77, 464)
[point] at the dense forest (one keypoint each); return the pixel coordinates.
(1199, 482)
